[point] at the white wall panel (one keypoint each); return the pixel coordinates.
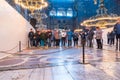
(13, 28)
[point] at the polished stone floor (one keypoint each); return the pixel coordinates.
(62, 64)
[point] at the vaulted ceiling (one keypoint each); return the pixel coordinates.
(84, 8)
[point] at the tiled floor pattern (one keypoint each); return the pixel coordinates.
(61, 64)
(68, 72)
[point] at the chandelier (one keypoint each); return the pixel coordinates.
(32, 5)
(102, 19)
(39, 16)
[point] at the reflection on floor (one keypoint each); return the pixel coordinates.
(61, 64)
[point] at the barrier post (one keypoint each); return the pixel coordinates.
(28, 44)
(83, 51)
(20, 46)
(83, 42)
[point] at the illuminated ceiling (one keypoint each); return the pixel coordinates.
(59, 1)
(62, 3)
(85, 8)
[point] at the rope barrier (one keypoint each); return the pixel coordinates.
(8, 51)
(17, 46)
(11, 49)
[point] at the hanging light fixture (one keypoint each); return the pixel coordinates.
(32, 5)
(102, 19)
(38, 16)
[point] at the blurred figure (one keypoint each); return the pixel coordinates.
(108, 38)
(112, 38)
(31, 37)
(43, 38)
(37, 35)
(63, 35)
(90, 37)
(117, 33)
(53, 38)
(49, 35)
(75, 38)
(69, 37)
(57, 37)
(99, 38)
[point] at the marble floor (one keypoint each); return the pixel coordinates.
(62, 64)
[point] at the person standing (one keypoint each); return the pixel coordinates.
(31, 37)
(69, 37)
(57, 38)
(63, 34)
(90, 37)
(112, 39)
(108, 38)
(116, 29)
(37, 35)
(43, 38)
(75, 38)
(99, 38)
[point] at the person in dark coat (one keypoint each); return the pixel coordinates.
(31, 37)
(90, 37)
(117, 33)
(75, 39)
(108, 38)
(112, 38)
(37, 35)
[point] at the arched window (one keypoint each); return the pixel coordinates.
(69, 12)
(53, 12)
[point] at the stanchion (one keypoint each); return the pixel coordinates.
(83, 61)
(83, 39)
(28, 44)
(83, 51)
(20, 46)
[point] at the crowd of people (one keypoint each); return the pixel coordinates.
(68, 38)
(52, 38)
(64, 38)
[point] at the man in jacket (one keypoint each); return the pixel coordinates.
(117, 33)
(31, 37)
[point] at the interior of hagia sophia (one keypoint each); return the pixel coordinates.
(59, 39)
